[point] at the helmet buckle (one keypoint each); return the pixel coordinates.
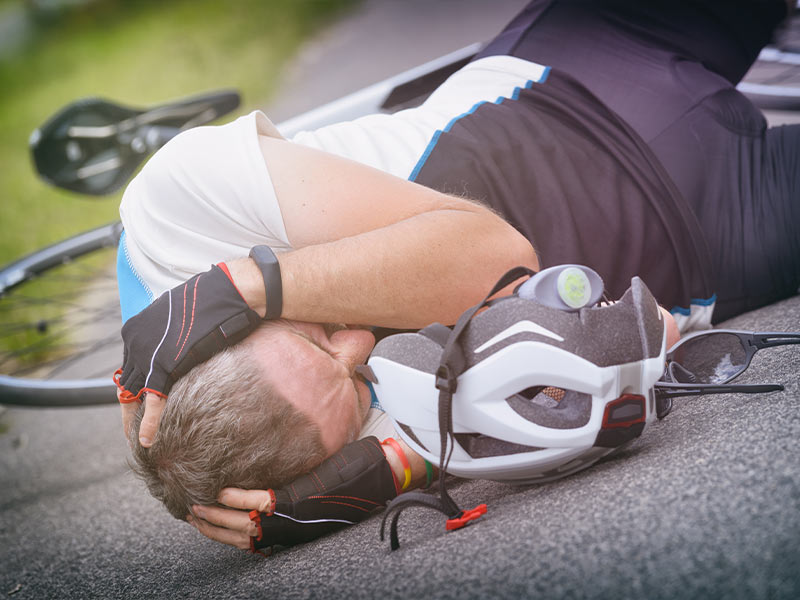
(465, 517)
(445, 381)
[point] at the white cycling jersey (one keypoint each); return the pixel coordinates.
(207, 196)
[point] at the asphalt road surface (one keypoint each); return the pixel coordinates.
(705, 504)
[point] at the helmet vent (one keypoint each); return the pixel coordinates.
(478, 445)
(557, 408)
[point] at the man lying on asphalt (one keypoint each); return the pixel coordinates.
(624, 146)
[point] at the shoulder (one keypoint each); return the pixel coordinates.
(205, 196)
(395, 143)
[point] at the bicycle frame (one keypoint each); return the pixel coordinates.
(405, 90)
(401, 91)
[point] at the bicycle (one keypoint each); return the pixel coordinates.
(76, 375)
(93, 147)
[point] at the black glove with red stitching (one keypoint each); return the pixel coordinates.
(184, 327)
(346, 488)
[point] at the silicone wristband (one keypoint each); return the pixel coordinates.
(267, 262)
(403, 460)
(428, 474)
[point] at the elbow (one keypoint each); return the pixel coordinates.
(502, 253)
(520, 250)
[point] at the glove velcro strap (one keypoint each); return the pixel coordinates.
(232, 331)
(345, 489)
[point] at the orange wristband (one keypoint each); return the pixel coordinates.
(403, 460)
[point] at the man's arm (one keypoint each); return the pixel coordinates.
(371, 249)
(379, 250)
(426, 268)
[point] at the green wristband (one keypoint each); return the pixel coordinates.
(428, 474)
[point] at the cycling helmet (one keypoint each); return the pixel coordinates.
(546, 387)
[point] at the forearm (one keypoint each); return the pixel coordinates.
(426, 268)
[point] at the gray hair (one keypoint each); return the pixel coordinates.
(224, 425)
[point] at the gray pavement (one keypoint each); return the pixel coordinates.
(706, 504)
(382, 38)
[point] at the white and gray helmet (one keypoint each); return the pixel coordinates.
(543, 388)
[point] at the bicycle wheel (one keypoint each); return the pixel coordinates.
(773, 82)
(60, 323)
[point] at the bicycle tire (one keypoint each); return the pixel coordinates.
(59, 367)
(773, 82)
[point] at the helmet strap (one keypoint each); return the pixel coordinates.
(452, 364)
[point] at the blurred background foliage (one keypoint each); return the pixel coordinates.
(133, 52)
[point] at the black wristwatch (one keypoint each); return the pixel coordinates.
(271, 271)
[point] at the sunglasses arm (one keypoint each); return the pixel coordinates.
(772, 339)
(665, 389)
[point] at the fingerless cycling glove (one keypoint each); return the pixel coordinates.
(182, 328)
(346, 488)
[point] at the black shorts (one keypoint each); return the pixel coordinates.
(669, 69)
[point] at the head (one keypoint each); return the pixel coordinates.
(313, 367)
(257, 415)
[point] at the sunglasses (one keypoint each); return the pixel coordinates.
(705, 363)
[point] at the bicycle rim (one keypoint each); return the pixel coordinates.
(773, 82)
(60, 323)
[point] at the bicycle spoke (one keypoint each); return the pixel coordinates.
(62, 322)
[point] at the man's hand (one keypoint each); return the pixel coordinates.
(153, 407)
(232, 526)
(346, 488)
(184, 327)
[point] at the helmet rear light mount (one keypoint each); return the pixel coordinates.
(623, 420)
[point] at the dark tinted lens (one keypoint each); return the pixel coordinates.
(663, 407)
(711, 358)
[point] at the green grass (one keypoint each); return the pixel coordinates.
(136, 53)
